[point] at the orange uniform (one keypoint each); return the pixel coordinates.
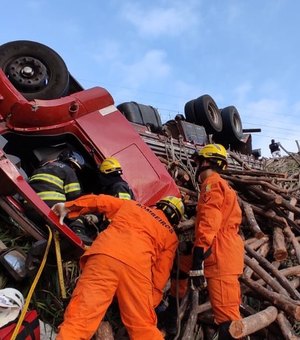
(131, 259)
(217, 226)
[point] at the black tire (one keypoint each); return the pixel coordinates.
(232, 125)
(189, 111)
(208, 114)
(35, 70)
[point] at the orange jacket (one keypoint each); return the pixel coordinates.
(217, 225)
(138, 235)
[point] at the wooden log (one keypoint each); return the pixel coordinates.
(253, 323)
(185, 225)
(248, 182)
(257, 173)
(253, 225)
(263, 251)
(290, 206)
(276, 264)
(192, 319)
(290, 234)
(287, 305)
(290, 271)
(189, 192)
(204, 307)
(281, 279)
(295, 283)
(286, 327)
(239, 160)
(268, 214)
(262, 193)
(291, 237)
(253, 264)
(250, 240)
(104, 332)
(290, 154)
(257, 243)
(280, 252)
(264, 333)
(293, 202)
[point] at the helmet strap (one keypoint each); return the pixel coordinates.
(201, 169)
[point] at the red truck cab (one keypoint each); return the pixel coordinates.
(85, 120)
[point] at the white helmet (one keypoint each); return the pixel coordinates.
(11, 304)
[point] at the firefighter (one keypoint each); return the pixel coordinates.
(56, 180)
(110, 183)
(131, 259)
(218, 247)
(110, 180)
(218, 252)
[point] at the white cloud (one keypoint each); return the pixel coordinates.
(152, 66)
(174, 20)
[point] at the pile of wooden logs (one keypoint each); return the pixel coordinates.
(271, 231)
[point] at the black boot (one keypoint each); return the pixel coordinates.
(79, 229)
(224, 331)
(171, 316)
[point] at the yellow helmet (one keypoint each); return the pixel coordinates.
(215, 153)
(110, 165)
(172, 207)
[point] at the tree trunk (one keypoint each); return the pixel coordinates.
(253, 323)
(286, 327)
(280, 252)
(281, 302)
(282, 279)
(253, 225)
(253, 264)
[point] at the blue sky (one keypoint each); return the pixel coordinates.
(164, 53)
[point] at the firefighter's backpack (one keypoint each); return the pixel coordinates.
(29, 330)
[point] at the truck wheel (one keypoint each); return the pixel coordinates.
(232, 125)
(189, 111)
(208, 114)
(35, 70)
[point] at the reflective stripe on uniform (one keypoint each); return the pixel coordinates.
(48, 178)
(51, 196)
(72, 187)
(124, 195)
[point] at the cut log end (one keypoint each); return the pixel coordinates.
(259, 235)
(236, 329)
(253, 323)
(297, 313)
(280, 254)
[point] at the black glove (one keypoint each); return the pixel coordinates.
(197, 278)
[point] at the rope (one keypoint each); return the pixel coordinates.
(59, 266)
(32, 288)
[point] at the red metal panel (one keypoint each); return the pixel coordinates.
(11, 182)
(113, 135)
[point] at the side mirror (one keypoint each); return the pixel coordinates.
(13, 260)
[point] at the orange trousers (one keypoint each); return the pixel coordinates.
(224, 292)
(225, 297)
(102, 278)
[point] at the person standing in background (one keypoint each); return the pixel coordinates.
(275, 149)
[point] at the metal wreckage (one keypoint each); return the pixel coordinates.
(44, 110)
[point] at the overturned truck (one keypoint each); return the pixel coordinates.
(44, 110)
